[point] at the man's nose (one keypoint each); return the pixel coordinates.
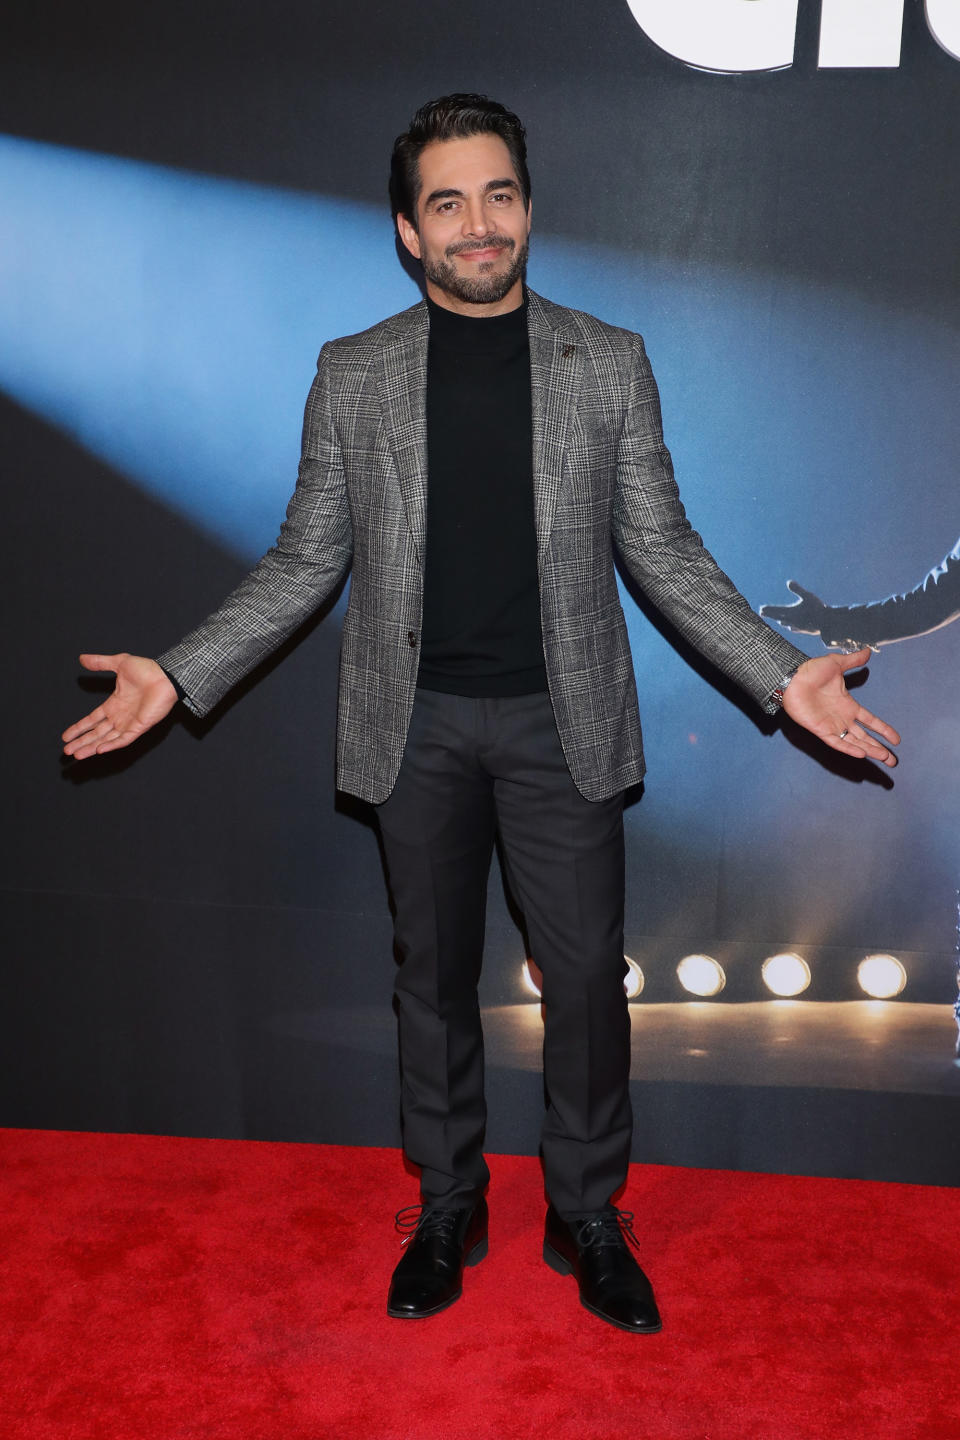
(476, 221)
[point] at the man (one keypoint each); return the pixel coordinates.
(486, 682)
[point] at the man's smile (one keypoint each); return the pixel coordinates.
(488, 251)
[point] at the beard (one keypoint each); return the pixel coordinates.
(487, 286)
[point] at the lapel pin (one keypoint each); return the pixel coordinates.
(568, 350)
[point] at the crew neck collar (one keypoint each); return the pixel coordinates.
(440, 315)
(477, 331)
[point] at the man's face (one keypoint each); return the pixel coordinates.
(472, 226)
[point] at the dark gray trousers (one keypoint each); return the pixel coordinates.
(472, 768)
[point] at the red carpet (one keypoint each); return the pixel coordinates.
(164, 1289)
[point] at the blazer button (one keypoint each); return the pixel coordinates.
(412, 637)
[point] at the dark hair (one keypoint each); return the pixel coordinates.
(452, 117)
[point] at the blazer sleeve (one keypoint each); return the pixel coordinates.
(311, 555)
(670, 562)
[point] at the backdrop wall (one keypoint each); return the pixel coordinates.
(193, 202)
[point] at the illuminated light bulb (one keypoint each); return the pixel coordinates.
(881, 976)
(633, 980)
(632, 983)
(701, 975)
(532, 977)
(786, 974)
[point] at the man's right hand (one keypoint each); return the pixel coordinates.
(142, 696)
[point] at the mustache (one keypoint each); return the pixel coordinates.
(496, 242)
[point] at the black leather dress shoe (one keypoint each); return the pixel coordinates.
(612, 1285)
(439, 1244)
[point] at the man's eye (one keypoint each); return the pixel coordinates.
(502, 195)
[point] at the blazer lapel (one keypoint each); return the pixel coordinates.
(556, 366)
(402, 383)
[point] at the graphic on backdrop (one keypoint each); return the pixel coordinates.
(734, 37)
(929, 606)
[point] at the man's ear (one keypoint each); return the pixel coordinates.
(409, 236)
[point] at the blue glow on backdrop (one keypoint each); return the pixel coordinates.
(170, 323)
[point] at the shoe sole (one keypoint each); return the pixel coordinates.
(556, 1261)
(478, 1253)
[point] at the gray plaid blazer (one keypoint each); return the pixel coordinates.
(601, 474)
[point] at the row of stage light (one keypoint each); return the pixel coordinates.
(882, 977)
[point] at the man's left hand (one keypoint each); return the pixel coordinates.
(818, 699)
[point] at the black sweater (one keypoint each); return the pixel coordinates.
(481, 609)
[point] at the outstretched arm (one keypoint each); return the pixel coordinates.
(142, 696)
(312, 554)
(818, 699)
(668, 559)
(294, 577)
